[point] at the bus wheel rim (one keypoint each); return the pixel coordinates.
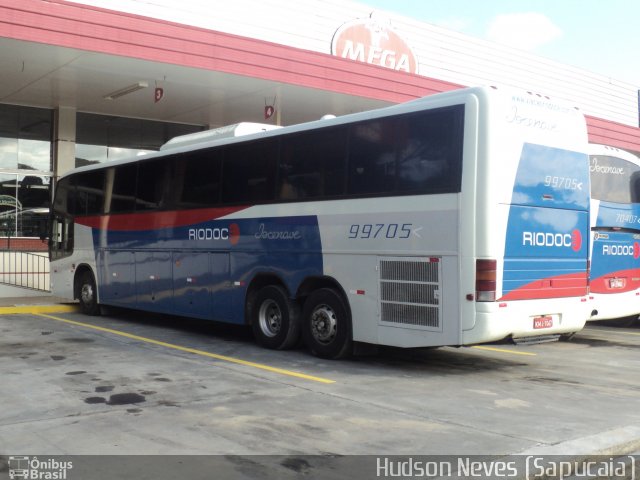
(324, 324)
(87, 294)
(270, 318)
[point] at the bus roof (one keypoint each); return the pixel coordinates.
(230, 134)
(228, 131)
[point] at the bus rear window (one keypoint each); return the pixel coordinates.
(614, 179)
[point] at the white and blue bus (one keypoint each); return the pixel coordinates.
(615, 225)
(456, 219)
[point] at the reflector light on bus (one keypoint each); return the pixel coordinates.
(486, 280)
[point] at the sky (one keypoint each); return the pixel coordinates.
(601, 36)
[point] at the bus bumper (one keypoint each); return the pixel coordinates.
(612, 306)
(503, 320)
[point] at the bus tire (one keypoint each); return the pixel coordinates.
(88, 294)
(326, 325)
(275, 318)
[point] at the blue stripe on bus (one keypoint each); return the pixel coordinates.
(203, 270)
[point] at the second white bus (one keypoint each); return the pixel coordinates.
(615, 227)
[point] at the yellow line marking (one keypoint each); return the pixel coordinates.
(193, 350)
(503, 350)
(37, 309)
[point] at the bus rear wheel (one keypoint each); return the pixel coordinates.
(87, 294)
(275, 318)
(326, 325)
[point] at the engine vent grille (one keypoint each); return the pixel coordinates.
(410, 292)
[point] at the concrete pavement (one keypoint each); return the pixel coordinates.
(574, 398)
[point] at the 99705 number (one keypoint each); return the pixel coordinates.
(562, 183)
(380, 230)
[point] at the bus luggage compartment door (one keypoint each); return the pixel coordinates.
(154, 281)
(116, 278)
(191, 292)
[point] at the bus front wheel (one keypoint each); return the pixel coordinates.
(326, 325)
(88, 294)
(275, 318)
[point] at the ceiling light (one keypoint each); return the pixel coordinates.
(126, 91)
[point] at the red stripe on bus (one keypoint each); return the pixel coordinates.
(155, 220)
(603, 284)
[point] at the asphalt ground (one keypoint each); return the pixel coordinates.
(131, 383)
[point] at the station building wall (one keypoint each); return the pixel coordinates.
(442, 54)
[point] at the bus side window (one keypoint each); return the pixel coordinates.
(312, 164)
(249, 172)
(428, 153)
(124, 189)
(372, 157)
(65, 198)
(89, 194)
(196, 179)
(152, 184)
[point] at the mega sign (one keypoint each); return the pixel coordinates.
(372, 41)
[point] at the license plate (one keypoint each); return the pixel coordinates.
(617, 283)
(542, 322)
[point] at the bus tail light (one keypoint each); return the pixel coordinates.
(486, 280)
